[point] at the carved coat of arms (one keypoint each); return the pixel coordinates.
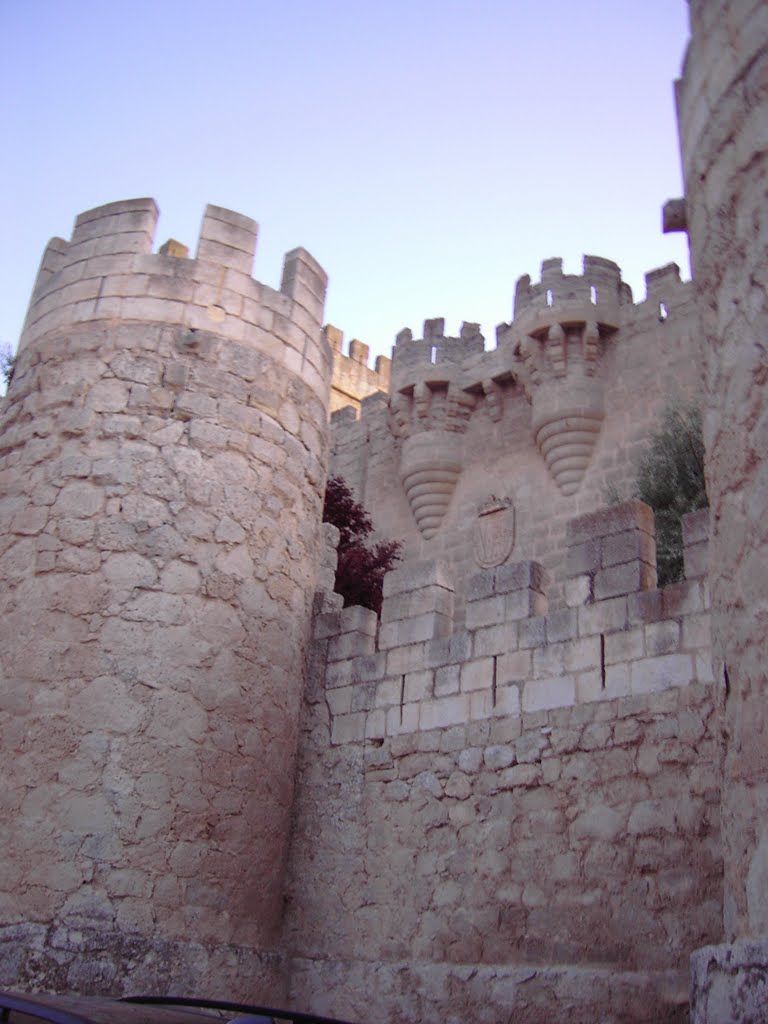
(494, 531)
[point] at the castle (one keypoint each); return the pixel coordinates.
(536, 788)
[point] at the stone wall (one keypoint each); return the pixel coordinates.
(516, 819)
(509, 799)
(723, 117)
(353, 380)
(462, 425)
(723, 103)
(162, 465)
(618, 637)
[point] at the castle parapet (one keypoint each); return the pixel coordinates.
(662, 288)
(107, 272)
(611, 552)
(228, 239)
(435, 357)
(618, 636)
(562, 295)
(554, 344)
(353, 380)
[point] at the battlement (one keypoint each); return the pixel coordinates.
(568, 317)
(661, 279)
(594, 296)
(617, 637)
(353, 379)
(435, 356)
(600, 284)
(108, 272)
(662, 288)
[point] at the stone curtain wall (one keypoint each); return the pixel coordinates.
(353, 380)
(517, 819)
(618, 638)
(558, 864)
(162, 465)
(723, 117)
(641, 365)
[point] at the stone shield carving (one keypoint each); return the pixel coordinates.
(494, 531)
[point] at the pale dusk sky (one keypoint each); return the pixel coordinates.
(426, 153)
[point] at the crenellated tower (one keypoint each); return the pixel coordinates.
(163, 454)
(429, 412)
(557, 337)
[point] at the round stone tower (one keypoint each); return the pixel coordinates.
(162, 466)
(723, 116)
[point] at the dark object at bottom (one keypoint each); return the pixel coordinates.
(19, 1008)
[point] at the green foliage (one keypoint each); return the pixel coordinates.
(7, 362)
(670, 478)
(361, 569)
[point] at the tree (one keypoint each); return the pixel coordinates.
(670, 478)
(7, 362)
(361, 569)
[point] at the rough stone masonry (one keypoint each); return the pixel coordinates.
(162, 464)
(537, 786)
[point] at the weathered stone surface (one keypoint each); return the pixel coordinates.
(722, 101)
(729, 984)
(510, 783)
(155, 613)
(95, 960)
(555, 837)
(348, 986)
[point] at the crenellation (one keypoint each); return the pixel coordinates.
(359, 352)
(513, 654)
(132, 217)
(107, 272)
(663, 282)
(354, 383)
(343, 416)
(304, 281)
(54, 261)
(600, 286)
(175, 249)
(536, 780)
(172, 503)
(551, 269)
(435, 355)
(565, 400)
(227, 244)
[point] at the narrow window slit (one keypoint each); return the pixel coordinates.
(402, 696)
(593, 295)
(602, 661)
(493, 682)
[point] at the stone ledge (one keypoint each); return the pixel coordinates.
(82, 957)
(537, 993)
(729, 983)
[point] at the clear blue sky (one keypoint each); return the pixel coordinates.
(427, 153)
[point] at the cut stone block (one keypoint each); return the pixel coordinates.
(415, 576)
(542, 694)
